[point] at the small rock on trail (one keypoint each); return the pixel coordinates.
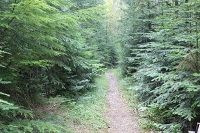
(121, 118)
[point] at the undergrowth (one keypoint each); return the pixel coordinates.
(82, 115)
(125, 85)
(87, 113)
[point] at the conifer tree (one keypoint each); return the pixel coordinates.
(47, 48)
(160, 39)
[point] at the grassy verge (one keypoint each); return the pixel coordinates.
(83, 115)
(126, 85)
(88, 113)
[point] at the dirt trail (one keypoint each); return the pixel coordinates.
(121, 118)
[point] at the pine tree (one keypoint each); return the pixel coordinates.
(161, 46)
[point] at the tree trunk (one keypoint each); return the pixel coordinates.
(176, 2)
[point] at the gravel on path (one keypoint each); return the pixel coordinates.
(121, 118)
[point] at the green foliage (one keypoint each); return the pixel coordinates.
(20, 120)
(49, 51)
(161, 51)
(87, 111)
(47, 48)
(28, 126)
(5, 105)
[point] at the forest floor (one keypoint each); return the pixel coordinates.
(121, 117)
(102, 110)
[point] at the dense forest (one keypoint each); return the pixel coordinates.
(48, 48)
(160, 42)
(56, 48)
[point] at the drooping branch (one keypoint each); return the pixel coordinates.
(11, 20)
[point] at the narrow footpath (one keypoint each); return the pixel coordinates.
(121, 118)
